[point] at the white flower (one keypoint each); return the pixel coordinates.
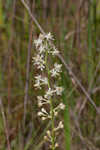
(59, 90)
(41, 36)
(54, 73)
(49, 133)
(39, 77)
(41, 67)
(55, 113)
(37, 85)
(40, 113)
(38, 81)
(56, 144)
(62, 106)
(42, 101)
(44, 81)
(55, 51)
(61, 125)
(43, 118)
(36, 59)
(45, 138)
(43, 114)
(58, 67)
(49, 93)
(38, 42)
(48, 137)
(39, 61)
(56, 70)
(49, 36)
(40, 98)
(44, 111)
(42, 49)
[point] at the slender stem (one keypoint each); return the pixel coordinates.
(51, 105)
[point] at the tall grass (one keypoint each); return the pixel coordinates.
(66, 114)
(90, 56)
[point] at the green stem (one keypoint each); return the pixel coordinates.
(51, 106)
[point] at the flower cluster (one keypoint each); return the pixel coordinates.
(45, 50)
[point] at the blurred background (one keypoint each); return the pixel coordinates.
(75, 25)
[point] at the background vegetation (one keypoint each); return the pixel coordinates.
(76, 27)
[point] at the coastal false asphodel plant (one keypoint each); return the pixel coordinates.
(47, 81)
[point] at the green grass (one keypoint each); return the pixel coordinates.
(66, 98)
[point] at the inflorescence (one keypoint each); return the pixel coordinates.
(47, 78)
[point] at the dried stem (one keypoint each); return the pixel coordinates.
(10, 42)
(5, 124)
(27, 71)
